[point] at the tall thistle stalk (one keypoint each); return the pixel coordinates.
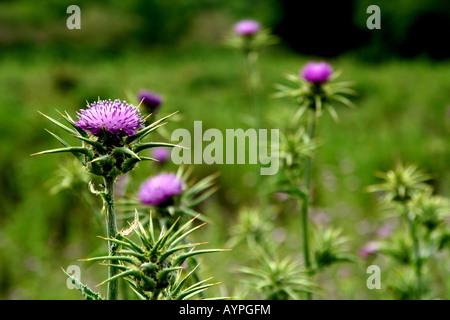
(424, 214)
(315, 91)
(111, 232)
(249, 38)
(253, 85)
(307, 197)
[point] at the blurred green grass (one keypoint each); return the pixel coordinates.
(402, 114)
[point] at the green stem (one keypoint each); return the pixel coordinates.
(111, 232)
(307, 199)
(417, 263)
(251, 58)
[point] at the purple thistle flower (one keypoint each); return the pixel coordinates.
(247, 27)
(118, 118)
(162, 154)
(150, 100)
(369, 249)
(385, 231)
(316, 72)
(160, 189)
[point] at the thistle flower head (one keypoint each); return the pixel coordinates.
(247, 27)
(117, 118)
(160, 189)
(162, 154)
(316, 72)
(150, 100)
(369, 249)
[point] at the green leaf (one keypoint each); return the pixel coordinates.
(125, 150)
(69, 119)
(119, 258)
(143, 146)
(81, 150)
(87, 293)
(120, 275)
(93, 143)
(59, 124)
(180, 259)
(143, 132)
(64, 143)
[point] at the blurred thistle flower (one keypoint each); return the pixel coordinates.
(150, 100)
(369, 249)
(278, 279)
(249, 37)
(330, 247)
(121, 184)
(160, 189)
(316, 72)
(194, 192)
(115, 117)
(316, 90)
(247, 27)
(385, 231)
(162, 154)
(401, 183)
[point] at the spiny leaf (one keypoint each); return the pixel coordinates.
(93, 143)
(184, 235)
(106, 158)
(69, 119)
(147, 145)
(59, 124)
(173, 250)
(119, 275)
(87, 293)
(180, 284)
(119, 258)
(180, 259)
(64, 143)
(143, 132)
(162, 240)
(124, 150)
(81, 150)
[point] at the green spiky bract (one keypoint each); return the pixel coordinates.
(278, 279)
(85, 291)
(155, 267)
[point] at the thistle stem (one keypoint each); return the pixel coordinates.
(417, 263)
(111, 232)
(251, 58)
(307, 199)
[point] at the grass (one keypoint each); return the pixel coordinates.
(402, 114)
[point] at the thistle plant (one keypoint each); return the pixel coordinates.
(111, 134)
(424, 230)
(278, 279)
(315, 90)
(270, 277)
(170, 196)
(155, 267)
(250, 38)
